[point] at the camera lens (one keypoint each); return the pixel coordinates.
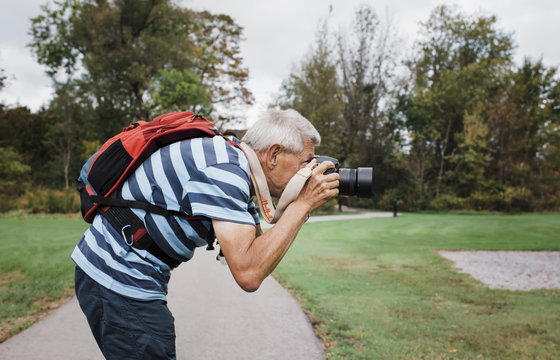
(352, 181)
(356, 181)
(347, 184)
(364, 180)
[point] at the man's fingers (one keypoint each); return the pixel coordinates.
(312, 164)
(334, 184)
(322, 167)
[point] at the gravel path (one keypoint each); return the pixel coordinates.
(512, 270)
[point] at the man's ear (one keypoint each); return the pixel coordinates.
(271, 155)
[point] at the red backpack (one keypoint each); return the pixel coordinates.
(120, 156)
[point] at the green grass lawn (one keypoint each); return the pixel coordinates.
(377, 289)
(35, 266)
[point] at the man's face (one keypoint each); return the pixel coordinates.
(287, 165)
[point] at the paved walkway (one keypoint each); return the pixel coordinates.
(218, 320)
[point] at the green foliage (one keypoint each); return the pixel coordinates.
(328, 208)
(25, 132)
(473, 119)
(313, 90)
(68, 111)
(367, 70)
(468, 128)
(446, 202)
(90, 148)
(456, 71)
(123, 48)
(50, 31)
(493, 201)
(518, 199)
(524, 128)
(345, 89)
(178, 90)
(13, 173)
(473, 154)
(49, 201)
(114, 62)
(218, 62)
(392, 195)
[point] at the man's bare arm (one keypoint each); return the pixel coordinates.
(253, 255)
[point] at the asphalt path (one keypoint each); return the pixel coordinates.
(214, 319)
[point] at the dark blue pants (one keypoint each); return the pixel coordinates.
(125, 328)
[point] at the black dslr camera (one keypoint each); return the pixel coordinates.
(352, 181)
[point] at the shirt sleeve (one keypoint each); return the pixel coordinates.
(222, 192)
(254, 212)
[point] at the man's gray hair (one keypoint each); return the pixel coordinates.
(281, 127)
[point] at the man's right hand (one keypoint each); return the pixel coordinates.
(319, 187)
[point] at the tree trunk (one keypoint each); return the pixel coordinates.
(67, 166)
(442, 159)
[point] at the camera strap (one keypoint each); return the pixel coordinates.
(270, 212)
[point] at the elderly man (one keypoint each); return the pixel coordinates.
(122, 289)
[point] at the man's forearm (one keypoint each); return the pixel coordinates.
(276, 241)
(252, 257)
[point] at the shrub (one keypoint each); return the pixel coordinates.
(13, 178)
(484, 201)
(518, 199)
(447, 202)
(387, 199)
(360, 203)
(328, 208)
(509, 199)
(52, 201)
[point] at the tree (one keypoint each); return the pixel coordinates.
(473, 155)
(68, 112)
(460, 62)
(218, 62)
(524, 122)
(22, 134)
(313, 91)
(2, 78)
(367, 72)
(13, 173)
(177, 90)
(485, 123)
(117, 50)
(12, 168)
(348, 97)
(368, 60)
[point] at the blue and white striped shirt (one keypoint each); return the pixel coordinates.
(203, 177)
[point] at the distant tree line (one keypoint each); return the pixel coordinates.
(461, 127)
(455, 124)
(111, 63)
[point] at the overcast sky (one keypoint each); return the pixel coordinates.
(278, 34)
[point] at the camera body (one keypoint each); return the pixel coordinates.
(352, 181)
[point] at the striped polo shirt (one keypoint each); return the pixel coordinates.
(203, 177)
